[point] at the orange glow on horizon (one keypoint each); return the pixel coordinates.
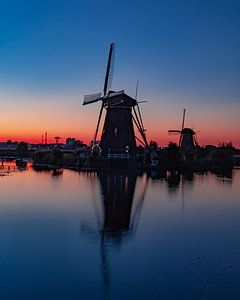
(162, 140)
(28, 122)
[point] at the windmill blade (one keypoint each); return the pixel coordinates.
(174, 132)
(196, 140)
(136, 93)
(96, 132)
(183, 120)
(109, 71)
(92, 98)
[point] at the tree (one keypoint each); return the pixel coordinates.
(173, 152)
(153, 145)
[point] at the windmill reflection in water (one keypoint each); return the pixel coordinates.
(121, 211)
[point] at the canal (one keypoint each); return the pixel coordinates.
(119, 235)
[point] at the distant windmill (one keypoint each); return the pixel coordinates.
(57, 138)
(118, 131)
(187, 140)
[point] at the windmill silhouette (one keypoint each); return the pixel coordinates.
(122, 113)
(187, 139)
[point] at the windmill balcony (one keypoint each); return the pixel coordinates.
(119, 156)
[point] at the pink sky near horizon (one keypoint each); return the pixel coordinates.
(161, 140)
(28, 122)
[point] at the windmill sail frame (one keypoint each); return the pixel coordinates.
(110, 69)
(91, 98)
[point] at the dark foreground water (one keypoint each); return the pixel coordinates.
(69, 235)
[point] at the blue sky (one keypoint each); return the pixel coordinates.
(184, 53)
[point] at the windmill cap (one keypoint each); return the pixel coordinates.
(111, 94)
(188, 131)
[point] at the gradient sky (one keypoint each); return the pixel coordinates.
(184, 54)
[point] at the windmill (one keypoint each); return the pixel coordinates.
(122, 112)
(187, 140)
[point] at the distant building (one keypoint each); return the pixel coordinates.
(9, 145)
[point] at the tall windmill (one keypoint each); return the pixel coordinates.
(122, 112)
(187, 139)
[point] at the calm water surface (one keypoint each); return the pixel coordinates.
(70, 235)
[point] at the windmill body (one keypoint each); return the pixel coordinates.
(187, 140)
(118, 135)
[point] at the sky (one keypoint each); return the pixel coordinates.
(185, 54)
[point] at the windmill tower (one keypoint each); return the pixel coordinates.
(122, 112)
(187, 139)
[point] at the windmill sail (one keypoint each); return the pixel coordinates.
(91, 98)
(183, 120)
(174, 131)
(109, 71)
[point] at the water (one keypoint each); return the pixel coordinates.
(70, 235)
